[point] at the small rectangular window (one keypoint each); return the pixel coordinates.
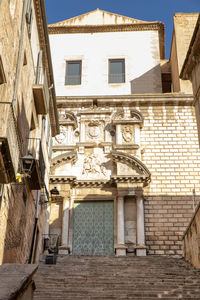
(116, 71)
(73, 73)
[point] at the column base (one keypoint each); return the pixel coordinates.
(141, 251)
(63, 250)
(120, 250)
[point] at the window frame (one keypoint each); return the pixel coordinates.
(66, 68)
(124, 77)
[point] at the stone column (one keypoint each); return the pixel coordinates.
(137, 135)
(82, 131)
(118, 134)
(121, 249)
(70, 137)
(141, 248)
(65, 227)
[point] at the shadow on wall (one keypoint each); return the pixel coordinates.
(55, 221)
(19, 206)
(149, 82)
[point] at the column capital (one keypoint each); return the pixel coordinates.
(139, 193)
(120, 197)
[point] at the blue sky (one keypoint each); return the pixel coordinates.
(147, 10)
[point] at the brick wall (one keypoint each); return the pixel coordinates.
(170, 149)
(166, 218)
(171, 152)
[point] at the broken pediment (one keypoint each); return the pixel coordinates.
(67, 117)
(128, 165)
(63, 158)
(111, 169)
(98, 17)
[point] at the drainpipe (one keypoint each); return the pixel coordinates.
(35, 226)
(19, 54)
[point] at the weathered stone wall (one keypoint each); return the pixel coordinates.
(171, 152)
(170, 149)
(183, 29)
(17, 206)
(166, 218)
(192, 240)
(18, 217)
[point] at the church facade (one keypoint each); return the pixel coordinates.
(126, 160)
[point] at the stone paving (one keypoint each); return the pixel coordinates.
(106, 277)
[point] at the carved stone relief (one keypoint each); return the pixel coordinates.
(127, 134)
(94, 130)
(93, 167)
(67, 116)
(60, 138)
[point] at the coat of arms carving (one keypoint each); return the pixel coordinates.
(127, 134)
(94, 129)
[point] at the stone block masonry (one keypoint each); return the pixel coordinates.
(169, 140)
(171, 152)
(166, 218)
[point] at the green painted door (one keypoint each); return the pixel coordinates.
(93, 228)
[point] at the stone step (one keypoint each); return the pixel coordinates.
(106, 277)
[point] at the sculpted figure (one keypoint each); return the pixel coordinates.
(127, 134)
(61, 137)
(92, 165)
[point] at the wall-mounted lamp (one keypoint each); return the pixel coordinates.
(27, 164)
(54, 192)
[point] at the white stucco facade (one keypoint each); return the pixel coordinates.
(139, 49)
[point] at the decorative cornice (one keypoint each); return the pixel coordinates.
(93, 111)
(126, 121)
(125, 100)
(126, 146)
(129, 179)
(86, 144)
(62, 179)
(70, 29)
(54, 29)
(72, 180)
(64, 148)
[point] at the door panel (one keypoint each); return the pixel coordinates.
(93, 228)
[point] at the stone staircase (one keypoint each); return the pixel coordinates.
(106, 277)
